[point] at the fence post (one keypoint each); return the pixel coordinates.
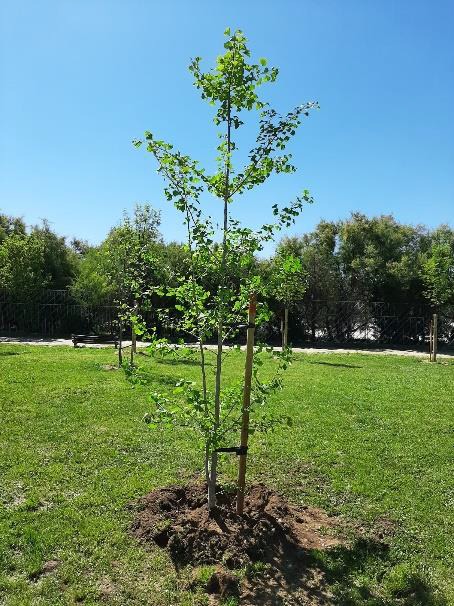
(435, 337)
(246, 404)
(133, 336)
(285, 335)
(120, 343)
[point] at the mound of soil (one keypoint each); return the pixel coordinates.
(271, 532)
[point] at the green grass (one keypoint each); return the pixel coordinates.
(372, 441)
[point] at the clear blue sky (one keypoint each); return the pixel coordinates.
(80, 78)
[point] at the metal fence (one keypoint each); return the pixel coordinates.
(54, 313)
(363, 322)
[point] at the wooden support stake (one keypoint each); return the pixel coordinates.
(435, 337)
(246, 403)
(285, 340)
(133, 336)
(430, 340)
(120, 344)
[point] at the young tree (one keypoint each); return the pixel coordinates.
(316, 251)
(287, 284)
(130, 264)
(232, 88)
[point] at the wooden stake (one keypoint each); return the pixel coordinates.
(430, 340)
(285, 340)
(133, 335)
(120, 344)
(246, 403)
(435, 337)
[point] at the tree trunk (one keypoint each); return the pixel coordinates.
(217, 390)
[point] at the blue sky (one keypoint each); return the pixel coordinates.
(80, 79)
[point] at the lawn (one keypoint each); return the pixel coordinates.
(371, 441)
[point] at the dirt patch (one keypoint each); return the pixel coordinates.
(263, 556)
(47, 568)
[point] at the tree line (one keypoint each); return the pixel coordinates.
(359, 258)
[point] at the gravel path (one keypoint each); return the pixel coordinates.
(306, 350)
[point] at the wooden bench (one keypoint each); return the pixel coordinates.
(95, 339)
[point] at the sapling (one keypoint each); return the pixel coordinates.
(131, 264)
(287, 284)
(211, 302)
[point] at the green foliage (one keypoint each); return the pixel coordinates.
(129, 256)
(34, 260)
(438, 267)
(287, 281)
(374, 259)
(22, 270)
(131, 260)
(187, 406)
(92, 285)
(377, 255)
(60, 262)
(11, 226)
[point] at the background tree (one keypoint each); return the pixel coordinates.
(22, 269)
(378, 258)
(130, 264)
(11, 226)
(92, 285)
(317, 253)
(438, 267)
(31, 261)
(60, 261)
(287, 283)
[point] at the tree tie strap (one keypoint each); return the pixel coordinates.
(238, 450)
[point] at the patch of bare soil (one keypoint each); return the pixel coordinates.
(109, 367)
(271, 542)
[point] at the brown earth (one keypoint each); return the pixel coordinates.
(272, 542)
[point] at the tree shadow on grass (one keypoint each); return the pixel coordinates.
(345, 576)
(351, 575)
(180, 362)
(275, 555)
(148, 378)
(9, 353)
(145, 377)
(338, 365)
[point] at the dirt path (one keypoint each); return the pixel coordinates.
(306, 350)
